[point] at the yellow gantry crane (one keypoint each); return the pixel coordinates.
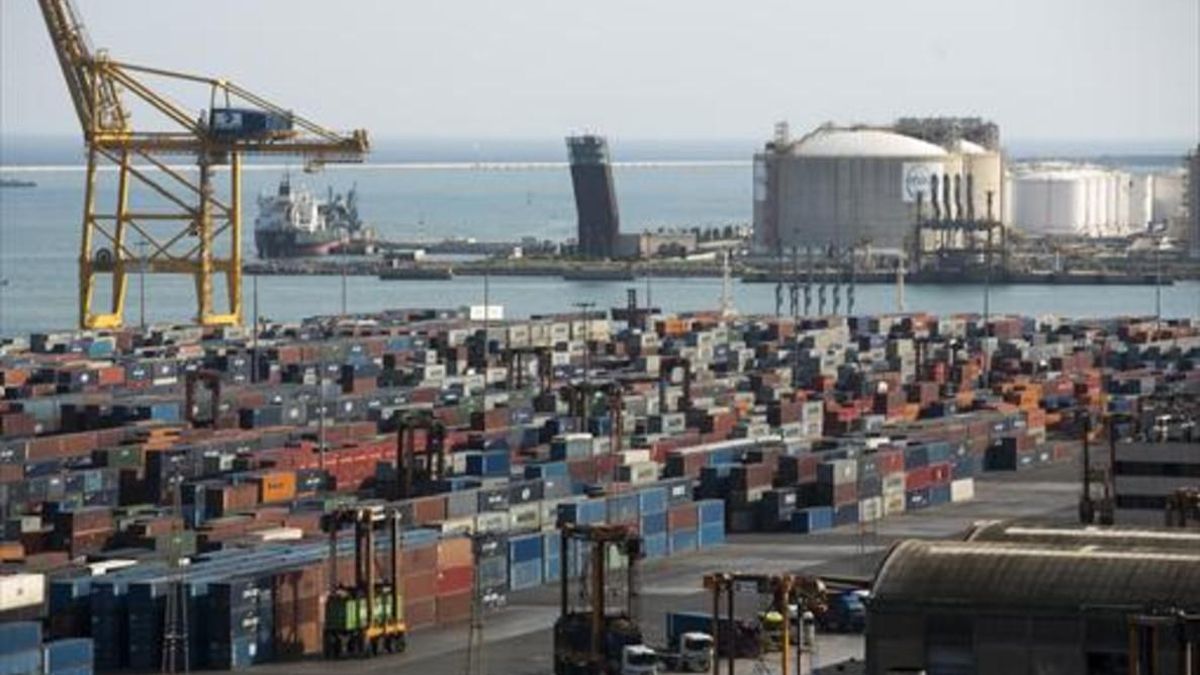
(190, 229)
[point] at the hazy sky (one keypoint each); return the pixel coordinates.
(1043, 69)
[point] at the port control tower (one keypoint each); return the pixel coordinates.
(595, 196)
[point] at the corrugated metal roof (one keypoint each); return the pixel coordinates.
(1028, 576)
(864, 143)
(1107, 538)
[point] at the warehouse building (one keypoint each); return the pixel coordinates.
(1147, 474)
(847, 186)
(1012, 607)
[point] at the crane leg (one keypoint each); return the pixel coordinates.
(233, 273)
(86, 280)
(120, 280)
(203, 271)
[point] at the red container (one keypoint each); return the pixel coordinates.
(454, 580)
(889, 461)
(918, 478)
(418, 559)
(420, 585)
(420, 613)
(682, 517)
(429, 509)
(939, 474)
(454, 608)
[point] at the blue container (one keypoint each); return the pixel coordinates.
(489, 463)
(812, 519)
(846, 514)
(587, 512)
(525, 548)
(551, 543)
(551, 568)
(20, 636)
(69, 593)
(916, 499)
(525, 575)
(939, 494)
(27, 662)
(547, 470)
(493, 572)
(915, 457)
(68, 653)
(712, 511)
(679, 623)
(939, 451)
(652, 500)
(654, 523)
(679, 490)
(234, 654)
(655, 545)
(712, 534)
(623, 508)
(1001, 458)
(963, 467)
(682, 541)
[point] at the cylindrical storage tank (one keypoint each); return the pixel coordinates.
(1111, 221)
(841, 186)
(1124, 184)
(1141, 201)
(1050, 201)
(987, 169)
(1096, 207)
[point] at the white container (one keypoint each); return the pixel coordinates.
(280, 534)
(962, 490)
(103, 567)
(21, 590)
(870, 509)
(893, 504)
(635, 456)
(492, 521)
(525, 517)
(465, 525)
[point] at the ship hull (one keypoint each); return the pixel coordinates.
(289, 244)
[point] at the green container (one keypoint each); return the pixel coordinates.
(342, 613)
(123, 457)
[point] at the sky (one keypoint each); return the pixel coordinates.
(1112, 71)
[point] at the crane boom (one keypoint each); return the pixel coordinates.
(188, 227)
(95, 96)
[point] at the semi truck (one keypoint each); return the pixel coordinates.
(742, 637)
(690, 647)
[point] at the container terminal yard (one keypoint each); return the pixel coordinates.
(210, 498)
(593, 492)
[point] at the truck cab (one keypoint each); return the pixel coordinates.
(845, 613)
(639, 660)
(695, 652)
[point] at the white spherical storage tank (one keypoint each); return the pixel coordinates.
(845, 186)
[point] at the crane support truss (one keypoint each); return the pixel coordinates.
(191, 230)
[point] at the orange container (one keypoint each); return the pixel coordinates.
(455, 552)
(276, 486)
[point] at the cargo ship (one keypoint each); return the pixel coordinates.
(16, 183)
(292, 223)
